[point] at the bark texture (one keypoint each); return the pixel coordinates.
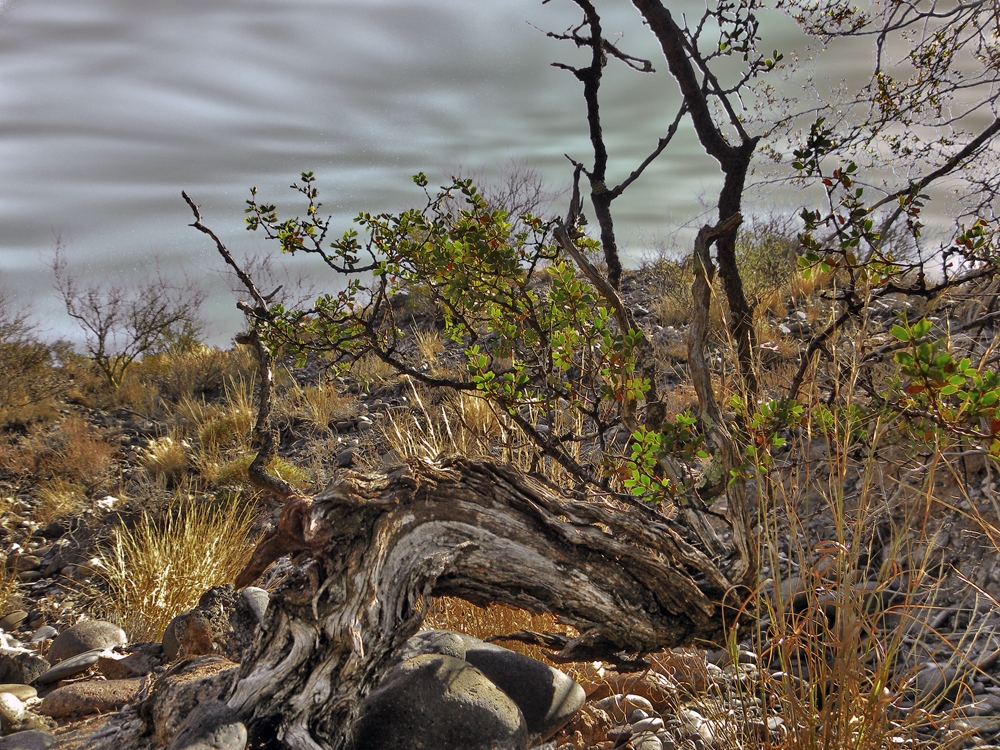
(370, 549)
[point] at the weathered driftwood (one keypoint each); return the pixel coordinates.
(370, 549)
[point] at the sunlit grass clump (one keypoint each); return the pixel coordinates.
(159, 567)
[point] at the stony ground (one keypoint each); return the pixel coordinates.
(942, 629)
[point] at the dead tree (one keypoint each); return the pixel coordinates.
(369, 551)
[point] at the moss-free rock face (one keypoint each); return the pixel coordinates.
(95, 696)
(546, 696)
(85, 636)
(224, 622)
(451, 691)
(438, 702)
(20, 666)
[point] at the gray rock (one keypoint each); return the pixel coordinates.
(33, 740)
(652, 724)
(620, 706)
(547, 697)
(438, 702)
(13, 619)
(69, 667)
(255, 600)
(21, 667)
(46, 631)
(647, 742)
(442, 642)
(85, 636)
(935, 681)
(211, 726)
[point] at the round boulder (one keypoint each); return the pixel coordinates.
(547, 697)
(85, 636)
(438, 702)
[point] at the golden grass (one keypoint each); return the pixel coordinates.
(232, 474)
(464, 423)
(469, 425)
(430, 346)
(59, 498)
(319, 406)
(159, 568)
(232, 428)
(155, 382)
(166, 457)
(451, 613)
(370, 370)
(10, 590)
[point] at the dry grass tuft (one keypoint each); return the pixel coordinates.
(152, 385)
(430, 346)
(850, 577)
(10, 590)
(166, 457)
(370, 370)
(319, 406)
(231, 428)
(71, 450)
(59, 498)
(159, 568)
(450, 613)
(232, 474)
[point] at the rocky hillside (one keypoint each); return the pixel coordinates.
(125, 512)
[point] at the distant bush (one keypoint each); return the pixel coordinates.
(29, 380)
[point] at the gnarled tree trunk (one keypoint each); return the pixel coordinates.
(369, 549)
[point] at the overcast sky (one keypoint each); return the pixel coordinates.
(109, 108)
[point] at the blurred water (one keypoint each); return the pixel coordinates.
(109, 108)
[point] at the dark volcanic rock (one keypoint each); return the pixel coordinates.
(437, 702)
(224, 622)
(70, 667)
(21, 667)
(546, 696)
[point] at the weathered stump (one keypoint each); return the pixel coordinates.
(370, 549)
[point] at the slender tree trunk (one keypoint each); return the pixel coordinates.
(734, 160)
(370, 549)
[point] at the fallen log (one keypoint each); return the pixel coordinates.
(369, 551)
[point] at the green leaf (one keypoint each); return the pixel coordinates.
(900, 333)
